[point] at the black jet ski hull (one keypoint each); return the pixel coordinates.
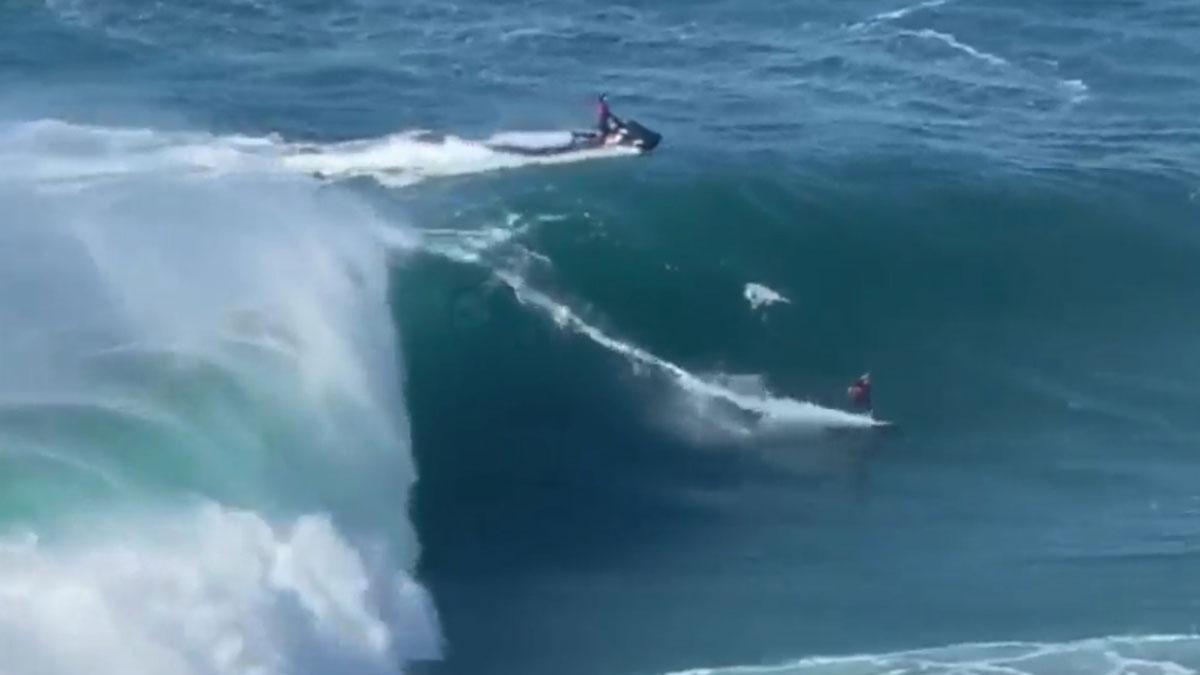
(628, 133)
(638, 136)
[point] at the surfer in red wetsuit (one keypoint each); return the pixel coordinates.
(860, 392)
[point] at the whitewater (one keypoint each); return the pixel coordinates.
(206, 457)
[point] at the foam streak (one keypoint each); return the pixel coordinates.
(771, 411)
(954, 43)
(1157, 654)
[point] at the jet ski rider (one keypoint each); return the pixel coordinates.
(608, 122)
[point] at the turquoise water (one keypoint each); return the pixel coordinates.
(298, 376)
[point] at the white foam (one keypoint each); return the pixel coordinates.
(172, 333)
(405, 159)
(533, 140)
(469, 246)
(84, 154)
(954, 43)
(770, 414)
(1076, 89)
(759, 296)
(205, 591)
(51, 151)
(461, 245)
(898, 13)
(1141, 654)
(905, 11)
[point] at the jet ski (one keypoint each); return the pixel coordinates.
(624, 133)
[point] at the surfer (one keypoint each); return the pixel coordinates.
(859, 392)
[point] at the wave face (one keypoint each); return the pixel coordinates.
(300, 374)
(631, 390)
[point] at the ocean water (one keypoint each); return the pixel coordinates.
(298, 376)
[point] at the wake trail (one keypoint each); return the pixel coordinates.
(956, 44)
(89, 154)
(408, 158)
(893, 15)
(771, 412)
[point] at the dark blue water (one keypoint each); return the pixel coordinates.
(617, 381)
